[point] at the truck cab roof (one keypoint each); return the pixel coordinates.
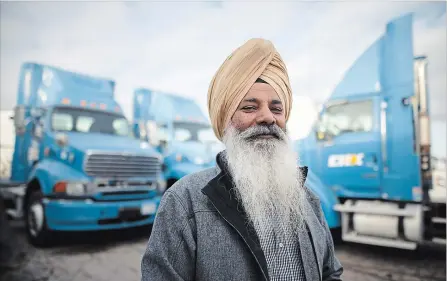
(43, 85)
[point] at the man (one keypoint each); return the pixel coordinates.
(251, 217)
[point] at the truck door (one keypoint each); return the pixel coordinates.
(348, 144)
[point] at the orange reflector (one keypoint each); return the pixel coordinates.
(65, 101)
(83, 103)
(102, 106)
(177, 117)
(178, 157)
(60, 187)
(93, 105)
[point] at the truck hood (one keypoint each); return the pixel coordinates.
(102, 142)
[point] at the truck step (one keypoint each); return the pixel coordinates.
(378, 241)
(439, 240)
(12, 192)
(363, 210)
(439, 220)
(14, 214)
(13, 197)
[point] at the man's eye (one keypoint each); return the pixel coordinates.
(277, 109)
(248, 108)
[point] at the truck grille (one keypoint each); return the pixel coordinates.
(121, 166)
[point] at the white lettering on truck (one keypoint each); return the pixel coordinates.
(345, 160)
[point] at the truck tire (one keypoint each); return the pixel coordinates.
(36, 224)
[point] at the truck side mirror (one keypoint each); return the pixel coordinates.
(19, 119)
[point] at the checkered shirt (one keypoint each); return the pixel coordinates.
(282, 253)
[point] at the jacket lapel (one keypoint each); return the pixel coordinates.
(220, 193)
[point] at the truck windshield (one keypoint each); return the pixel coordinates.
(89, 121)
(348, 118)
(184, 131)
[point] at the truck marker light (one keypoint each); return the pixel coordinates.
(102, 106)
(93, 105)
(178, 157)
(60, 187)
(178, 117)
(66, 101)
(117, 109)
(83, 103)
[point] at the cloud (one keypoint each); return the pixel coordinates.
(178, 46)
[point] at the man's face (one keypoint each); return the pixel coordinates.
(262, 161)
(260, 106)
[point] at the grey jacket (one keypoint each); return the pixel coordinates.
(200, 233)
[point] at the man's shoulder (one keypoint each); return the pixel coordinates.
(188, 189)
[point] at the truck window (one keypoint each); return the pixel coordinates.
(84, 123)
(62, 122)
(188, 131)
(351, 117)
(207, 135)
(182, 134)
(89, 121)
(120, 126)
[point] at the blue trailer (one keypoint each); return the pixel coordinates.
(177, 127)
(371, 146)
(75, 165)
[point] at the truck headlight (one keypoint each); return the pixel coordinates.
(75, 188)
(70, 188)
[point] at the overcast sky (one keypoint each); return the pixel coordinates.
(178, 46)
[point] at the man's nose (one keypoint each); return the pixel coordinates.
(265, 116)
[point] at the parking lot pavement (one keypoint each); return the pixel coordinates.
(92, 256)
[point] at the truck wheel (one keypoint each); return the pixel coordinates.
(36, 225)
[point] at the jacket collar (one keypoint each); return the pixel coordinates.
(221, 194)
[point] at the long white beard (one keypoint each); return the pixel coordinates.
(267, 180)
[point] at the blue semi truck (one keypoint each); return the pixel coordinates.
(371, 146)
(178, 127)
(75, 164)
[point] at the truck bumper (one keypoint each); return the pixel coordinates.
(85, 215)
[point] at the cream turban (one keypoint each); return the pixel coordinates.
(257, 58)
